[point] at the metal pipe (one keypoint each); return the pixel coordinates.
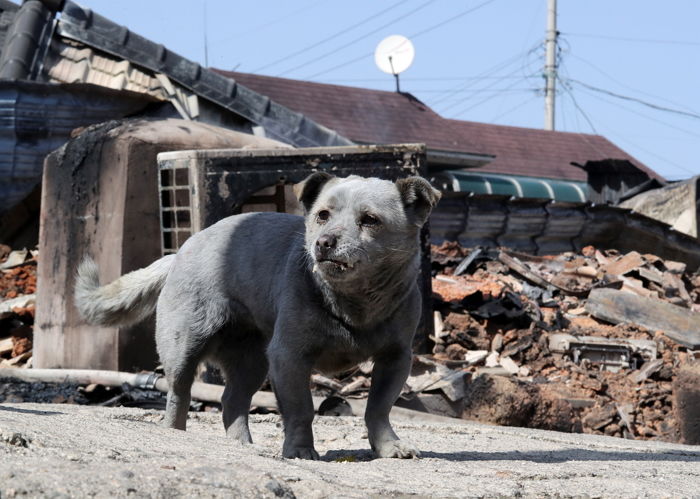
(200, 391)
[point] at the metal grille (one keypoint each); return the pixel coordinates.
(175, 206)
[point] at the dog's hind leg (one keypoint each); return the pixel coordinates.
(244, 368)
(180, 381)
(185, 326)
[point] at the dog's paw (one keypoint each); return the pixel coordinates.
(301, 453)
(396, 448)
(240, 435)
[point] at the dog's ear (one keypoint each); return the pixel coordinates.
(419, 198)
(308, 190)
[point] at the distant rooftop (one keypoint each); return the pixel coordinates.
(377, 116)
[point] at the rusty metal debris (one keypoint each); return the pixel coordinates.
(17, 299)
(609, 353)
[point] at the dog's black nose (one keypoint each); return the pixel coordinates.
(327, 241)
(325, 244)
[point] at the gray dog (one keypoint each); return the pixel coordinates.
(271, 292)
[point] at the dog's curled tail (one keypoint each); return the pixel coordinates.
(128, 300)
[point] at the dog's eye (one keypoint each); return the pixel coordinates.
(369, 220)
(323, 215)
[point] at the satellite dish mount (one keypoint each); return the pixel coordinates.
(394, 55)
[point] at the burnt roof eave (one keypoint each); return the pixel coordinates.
(454, 159)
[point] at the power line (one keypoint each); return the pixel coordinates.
(567, 87)
(355, 40)
(478, 90)
(414, 35)
(615, 80)
(625, 39)
(335, 35)
(666, 160)
(617, 104)
(453, 18)
(486, 74)
(500, 66)
(634, 99)
(497, 68)
(481, 102)
(428, 78)
(514, 108)
(260, 27)
(585, 138)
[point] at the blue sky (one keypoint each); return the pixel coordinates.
(477, 60)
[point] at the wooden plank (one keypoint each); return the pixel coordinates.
(678, 323)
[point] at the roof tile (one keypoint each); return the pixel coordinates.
(376, 116)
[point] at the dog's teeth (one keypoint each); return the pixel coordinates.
(315, 268)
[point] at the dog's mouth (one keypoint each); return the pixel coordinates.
(335, 265)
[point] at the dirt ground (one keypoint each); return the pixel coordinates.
(63, 450)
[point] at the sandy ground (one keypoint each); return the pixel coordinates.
(78, 451)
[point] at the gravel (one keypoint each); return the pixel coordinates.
(62, 450)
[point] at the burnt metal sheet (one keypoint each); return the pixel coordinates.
(538, 227)
(610, 180)
(678, 323)
(36, 118)
(83, 25)
(675, 204)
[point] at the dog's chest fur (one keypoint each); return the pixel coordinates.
(345, 347)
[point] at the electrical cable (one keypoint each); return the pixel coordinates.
(476, 90)
(617, 104)
(514, 108)
(453, 18)
(329, 38)
(486, 74)
(461, 111)
(625, 39)
(428, 78)
(413, 36)
(618, 82)
(623, 139)
(521, 68)
(567, 89)
(634, 99)
(355, 40)
(263, 26)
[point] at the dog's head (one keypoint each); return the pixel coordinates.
(357, 225)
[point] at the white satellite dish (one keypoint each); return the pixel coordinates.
(394, 55)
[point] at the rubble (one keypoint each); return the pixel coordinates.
(541, 350)
(17, 299)
(518, 340)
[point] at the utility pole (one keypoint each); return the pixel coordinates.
(550, 68)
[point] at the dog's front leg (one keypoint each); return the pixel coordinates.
(388, 377)
(290, 373)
